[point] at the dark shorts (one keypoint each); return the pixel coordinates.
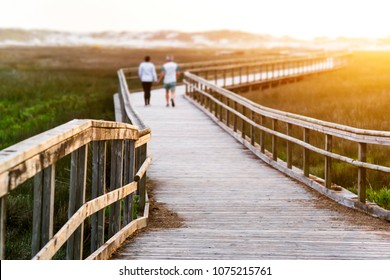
(170, 86)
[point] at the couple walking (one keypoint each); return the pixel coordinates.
(169, 72)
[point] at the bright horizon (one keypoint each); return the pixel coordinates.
(304, 19)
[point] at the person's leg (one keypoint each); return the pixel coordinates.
(144, 87)
(167, 96)
(173, 97)
(147, 92)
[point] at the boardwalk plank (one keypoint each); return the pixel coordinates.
(235, 206)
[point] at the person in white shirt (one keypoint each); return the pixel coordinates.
(147, 74)
(170, 73)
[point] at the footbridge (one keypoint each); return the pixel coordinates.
(235, 173)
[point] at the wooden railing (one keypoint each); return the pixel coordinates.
(254, 125)
(131, 73)
(266, 72)
(37, 157)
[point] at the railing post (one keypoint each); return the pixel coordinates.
(3, 218)
(43, 214)
(243, 124)
(207, 103)
(78, 172)
(224, 77)
(142, 182)
(286, 69)
(128, 177)
(274, 140)
(328, 161)
(220, 107)
(362, 156)
(189, 89)
(98, 188)
(289, 147)
(228, 112)
(198, 96)
(115, 183)
(235, 117)
(262, 135)
(252, 133)
(260, 77)
(306, 154)
(215, 105)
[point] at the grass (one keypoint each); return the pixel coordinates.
(37, 100)
(357, 96)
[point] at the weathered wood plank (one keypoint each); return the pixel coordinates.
(98, 188)
(3, 216)
(128, 175)
(362, 177)
(43, 213)
(115, 183)
(48, 204)
(78, 172)
(37, 214)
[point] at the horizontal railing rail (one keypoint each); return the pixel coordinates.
(252, 123)
(110, 209)
(254, 73)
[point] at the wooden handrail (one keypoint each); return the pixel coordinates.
(37, 157)
(347, 132)
(25, 159)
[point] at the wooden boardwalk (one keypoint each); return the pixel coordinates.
(235, 206)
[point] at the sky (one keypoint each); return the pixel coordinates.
(304, 19)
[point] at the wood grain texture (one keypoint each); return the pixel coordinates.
(234, 205)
